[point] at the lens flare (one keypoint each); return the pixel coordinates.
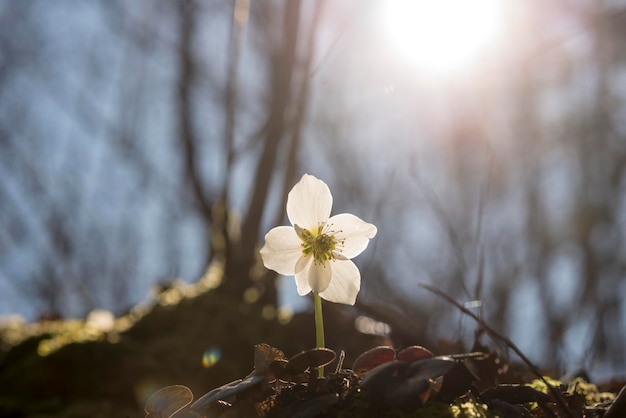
(211, 357)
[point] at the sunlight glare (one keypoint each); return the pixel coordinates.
(441, 35)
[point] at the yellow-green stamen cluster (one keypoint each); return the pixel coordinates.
(321, 243)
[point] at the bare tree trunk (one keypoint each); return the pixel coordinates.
(220, 237)
(301, 111)
(188, 137)
(241, 258)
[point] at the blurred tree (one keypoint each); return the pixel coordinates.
(521, 185)
(207, 157)
(139, 141)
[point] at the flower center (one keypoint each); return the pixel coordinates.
(320, 242)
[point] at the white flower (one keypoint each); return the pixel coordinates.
(318, 248)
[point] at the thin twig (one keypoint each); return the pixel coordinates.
(506, 341)
(444, 218)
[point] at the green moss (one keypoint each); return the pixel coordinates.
(541, 386)
(577, 387)
(471, 409)
(589, 392)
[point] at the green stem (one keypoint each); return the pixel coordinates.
(319, 326)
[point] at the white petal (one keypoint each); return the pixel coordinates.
(282, 250)
(302, 276)
(345, 283)
(309, 202)
(355, 231)
(303, 262)
(319, 276)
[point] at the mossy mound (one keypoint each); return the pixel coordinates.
(201, 337)
(192, 335)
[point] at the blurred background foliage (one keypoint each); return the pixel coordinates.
(139, 141)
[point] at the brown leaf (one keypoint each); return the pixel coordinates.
(167, 401)
(414, 353)
(310, 359)
(264, 356)
(372, 358)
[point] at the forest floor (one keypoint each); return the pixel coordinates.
(193, 339)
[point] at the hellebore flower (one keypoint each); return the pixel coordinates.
(318, 248)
